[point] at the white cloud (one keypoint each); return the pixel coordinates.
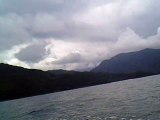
(8, 56)
(69, 55)
(113, 13)
(110, 20)
(130, 41)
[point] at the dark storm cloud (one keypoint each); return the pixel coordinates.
(12, 31)
(77, 18)
(32, 53)
(41, 6)
(43, 18)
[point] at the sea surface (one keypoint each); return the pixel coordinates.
(135, 99)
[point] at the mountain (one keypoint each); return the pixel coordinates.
(147, 60)
(17, 82)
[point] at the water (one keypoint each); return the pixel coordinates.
(137, 99)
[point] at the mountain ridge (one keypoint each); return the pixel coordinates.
(17, 82)
(146, 60)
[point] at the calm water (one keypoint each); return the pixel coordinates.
(137, 99)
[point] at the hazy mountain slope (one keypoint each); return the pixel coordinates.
(147, 60)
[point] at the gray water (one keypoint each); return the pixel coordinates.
(137, 99)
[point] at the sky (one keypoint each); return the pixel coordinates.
(75, 34)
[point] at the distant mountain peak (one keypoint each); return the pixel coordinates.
(146, 60)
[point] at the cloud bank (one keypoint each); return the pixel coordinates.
(75, 34)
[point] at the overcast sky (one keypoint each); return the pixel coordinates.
(75, 34)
